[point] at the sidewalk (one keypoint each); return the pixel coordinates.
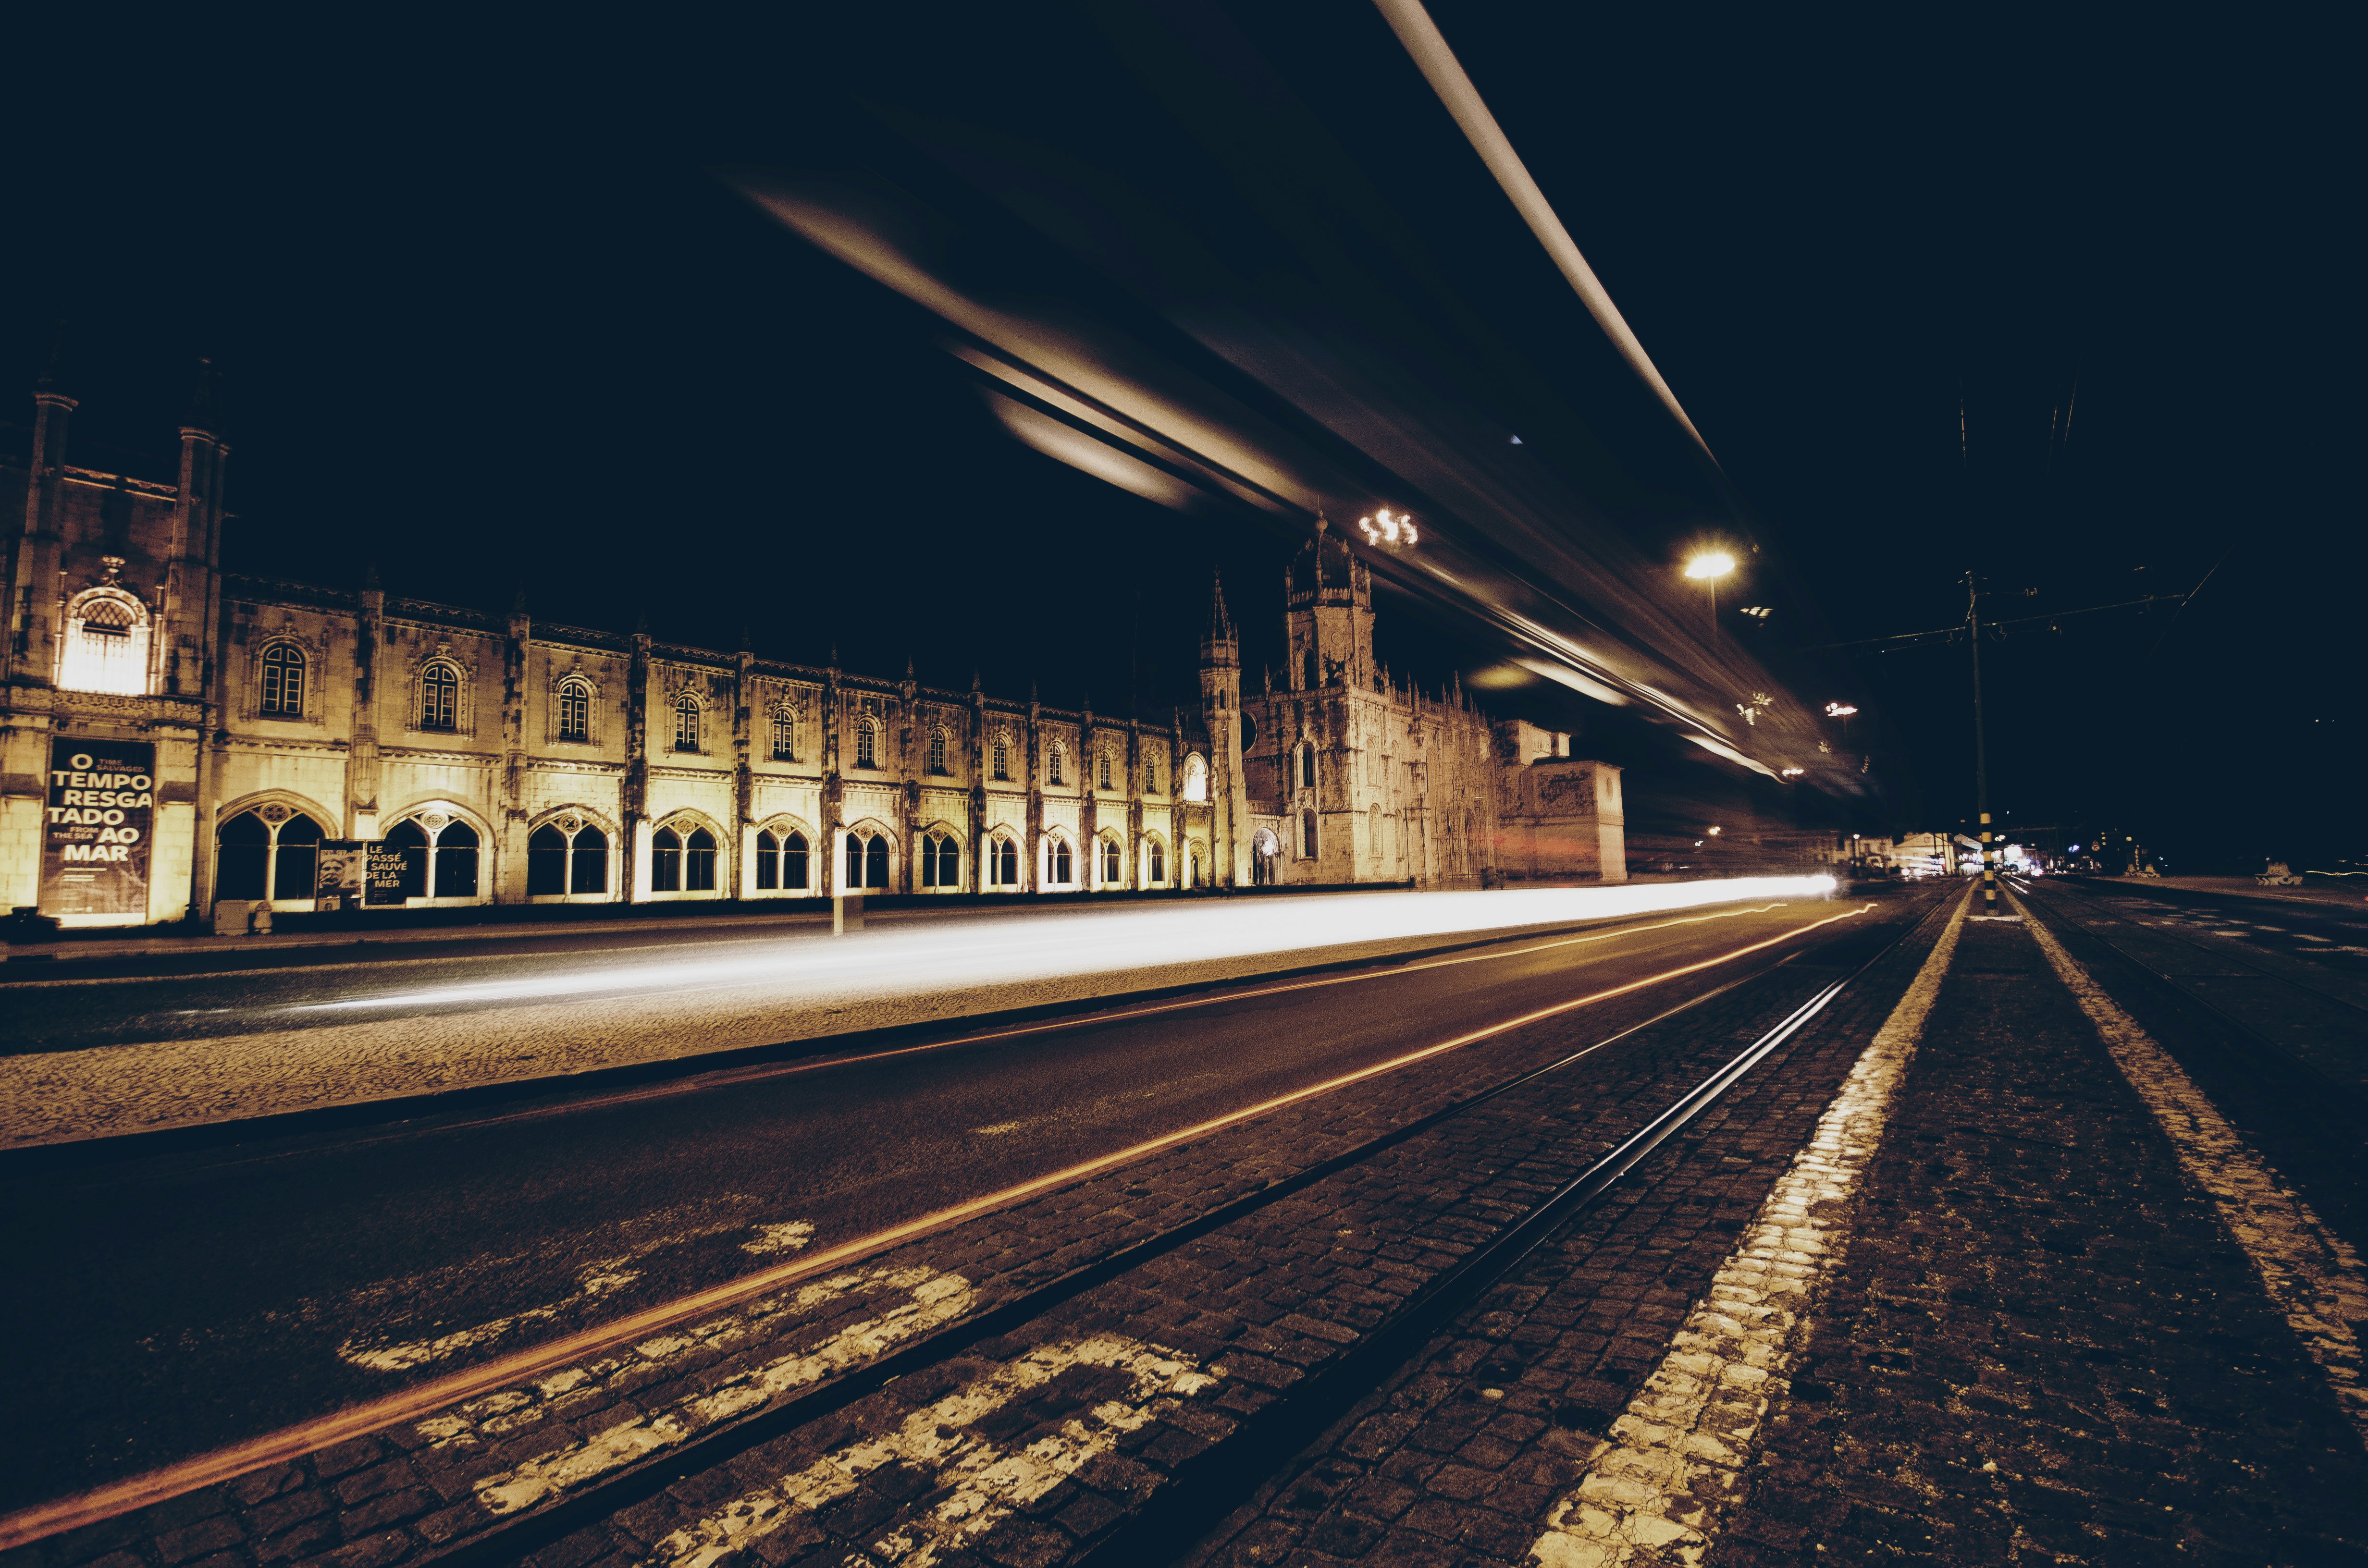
(2354, 901)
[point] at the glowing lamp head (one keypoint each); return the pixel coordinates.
(1839, 710)
(1793, 772)
(1715, 832)
(1387, 527)
(1709, 566)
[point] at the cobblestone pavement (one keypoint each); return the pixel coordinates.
(1020, 1448)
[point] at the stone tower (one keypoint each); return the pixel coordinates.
(1221, 706)
(1329, 615)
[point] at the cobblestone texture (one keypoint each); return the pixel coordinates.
(2043, 1345)
(1460, 1458)
(1271, 1296)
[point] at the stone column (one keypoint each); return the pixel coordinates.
(510, 822)
(634, 802)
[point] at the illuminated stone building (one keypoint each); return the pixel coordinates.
(173, 738)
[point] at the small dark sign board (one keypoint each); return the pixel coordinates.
(383, 879)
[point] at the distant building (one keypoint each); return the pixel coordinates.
(173, 737)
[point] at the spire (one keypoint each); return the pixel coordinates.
(370, 578)
(1221, 624)
(974, 685)
(743, 637)
(517, 600)
(205, 400)
(908, 666)
(641, 622)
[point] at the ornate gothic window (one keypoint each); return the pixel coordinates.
(559, 860)
(682, 860)
(269, 853)
(1196, 777)
(1056, 764)
(1002, 863)
(440, 698)
(941, 861)
(106, 644)
(1113, 863)
(782, 862)
(1308, 765)
(283, 681)
(1150, 775)
(1106, 771)
(866, 860)
(866, 741)
(686, 716)
(785, 733)
(1060, 869)
(1002, 755)
(1159, 867)
(574, 710)
(440, 855)
(938, 749)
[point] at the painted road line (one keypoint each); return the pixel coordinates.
(2313, 1275)
(419, 1403)
(1659, 1487)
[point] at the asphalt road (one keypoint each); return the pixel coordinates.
(168, 1304)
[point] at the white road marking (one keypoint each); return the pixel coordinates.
(600, 1280)
(1659, 1487)
(2313, 1275)
(792, 1236)
(934, 1299)
(988, 1482)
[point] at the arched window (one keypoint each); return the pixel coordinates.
(665, 861)
(1308, 765)
(283, 681)
(875, 863)
(1373, 830)
(456, 862)
(866, 741)
(1003, 861)
(1307, 836)
(1003, 755)
(588, 861)
(1113, 863)
(1308, 670)
(1106, 771)
(296, 859)
(793, 863)
(574, 710)
(242, 858)
(1159, 867)
(1196, 777)
(439, 698)
(782, 862)
(1059, 871)
(938, 749)
(940, 862)
(559, 862)
(1056, 764)
(410, 840)
(768, 863)
(785, 735)
(685, 722)
(546, 862)
(1150, 775)
(699, 861)
(106, 644)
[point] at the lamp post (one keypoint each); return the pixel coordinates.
(1709, 567)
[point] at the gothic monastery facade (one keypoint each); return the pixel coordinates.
(174, 738)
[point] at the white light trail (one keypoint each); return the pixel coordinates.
(889, 960)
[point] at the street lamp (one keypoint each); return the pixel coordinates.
(1842, 710)
(1709, 567)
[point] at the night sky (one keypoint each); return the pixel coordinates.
(493, 317)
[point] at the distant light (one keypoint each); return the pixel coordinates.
(1795, 772)
(1758, 612)
(1839, 709)
(1716, 563)
(1715, 832)
(1517, 440)
(2074, 849)
(1383, 528)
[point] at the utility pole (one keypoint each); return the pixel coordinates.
(1981, 752)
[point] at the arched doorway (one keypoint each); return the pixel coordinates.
(269, 854)
(1265, 851)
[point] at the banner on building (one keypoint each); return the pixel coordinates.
(384, 874)
(342, 866)
(97, 827)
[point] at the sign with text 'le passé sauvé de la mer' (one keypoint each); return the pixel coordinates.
(96, 827)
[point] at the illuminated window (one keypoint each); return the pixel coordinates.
(938, 749)
(1003, 755)
(1308, 766)
(574, 710)
(106, 644)
(1196, 777)
(1056, 764)
(439, 698)
(1106, 771)
(1113, 863)
(685, 722)
(866, 742)
(1058, 869)
(283, 681)
(1307, 836)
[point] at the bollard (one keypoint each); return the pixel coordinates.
(845, 914)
